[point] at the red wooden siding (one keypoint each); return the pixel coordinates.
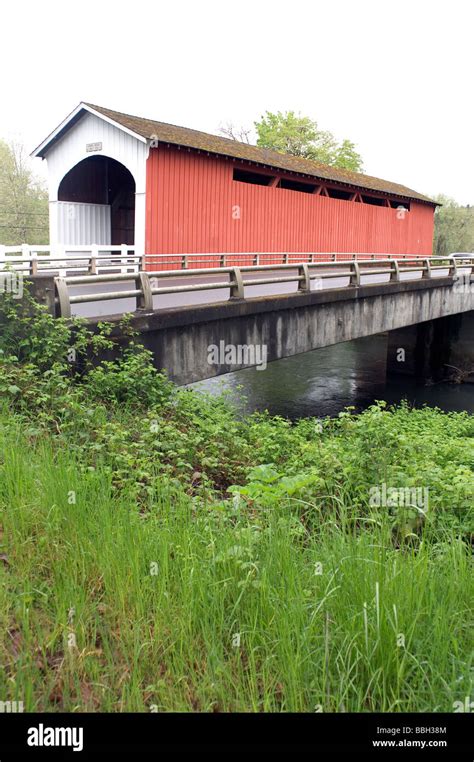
(191, 205)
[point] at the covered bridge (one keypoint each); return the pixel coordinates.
(115, 178)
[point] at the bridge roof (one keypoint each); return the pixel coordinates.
(150, 129)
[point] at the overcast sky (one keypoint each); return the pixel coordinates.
(394, 77)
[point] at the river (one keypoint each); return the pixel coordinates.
(325, 381)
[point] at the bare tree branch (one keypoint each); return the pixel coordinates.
(239, 134)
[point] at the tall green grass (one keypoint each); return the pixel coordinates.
(199, 605)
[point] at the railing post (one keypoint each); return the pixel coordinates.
(395, 274)
(184, 262)
(142, 265)
(426, 268)
(453, 267)
(26, 254)
(93, 261)
(60, 251)
(304, 282)
(222, 261)
(311, 258)
(34, 264)
(236, 284)
(285, 258)
(355, 274)
(63, 298)
(145, 298)
(256, 259)
(124, 261)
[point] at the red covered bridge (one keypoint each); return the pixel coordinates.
(115, 178)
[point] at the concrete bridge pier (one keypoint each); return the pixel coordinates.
(432, 351)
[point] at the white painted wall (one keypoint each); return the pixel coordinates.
(81, 224)
(116, 144)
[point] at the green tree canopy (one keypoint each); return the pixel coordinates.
(289, 132)
(23, 199)
(454, 227)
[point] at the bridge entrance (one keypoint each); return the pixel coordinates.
(96, 203)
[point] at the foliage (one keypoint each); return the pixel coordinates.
(454, 227)
(132, 379)
(158, 428)
(29, 333)
(169, 525)
(23, 199)
(347, 157)
(197, 605)
(298, 135)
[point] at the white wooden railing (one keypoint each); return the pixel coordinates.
(32, 260)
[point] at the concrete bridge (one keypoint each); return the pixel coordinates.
(427, 305)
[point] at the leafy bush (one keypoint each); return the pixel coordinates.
(130, 380)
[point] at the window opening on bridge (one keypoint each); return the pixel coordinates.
(374, 200)
(254, 178)
(400, 205)
(258, 178)
(294, 185)
(340, 194)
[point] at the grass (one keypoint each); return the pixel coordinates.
(160, 553)
(215, 606)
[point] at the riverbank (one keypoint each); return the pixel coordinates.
(161, 552)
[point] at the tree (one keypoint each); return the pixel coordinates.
(239, 134)
(298, 135)
(23, 199)
(347, 157)
(454, 227)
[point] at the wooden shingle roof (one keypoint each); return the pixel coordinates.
(150, 129)
(203, 141)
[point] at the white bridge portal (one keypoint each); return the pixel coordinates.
(97, 182)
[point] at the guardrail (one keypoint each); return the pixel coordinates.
(147, 284)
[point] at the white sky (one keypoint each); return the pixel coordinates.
(394, 77)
